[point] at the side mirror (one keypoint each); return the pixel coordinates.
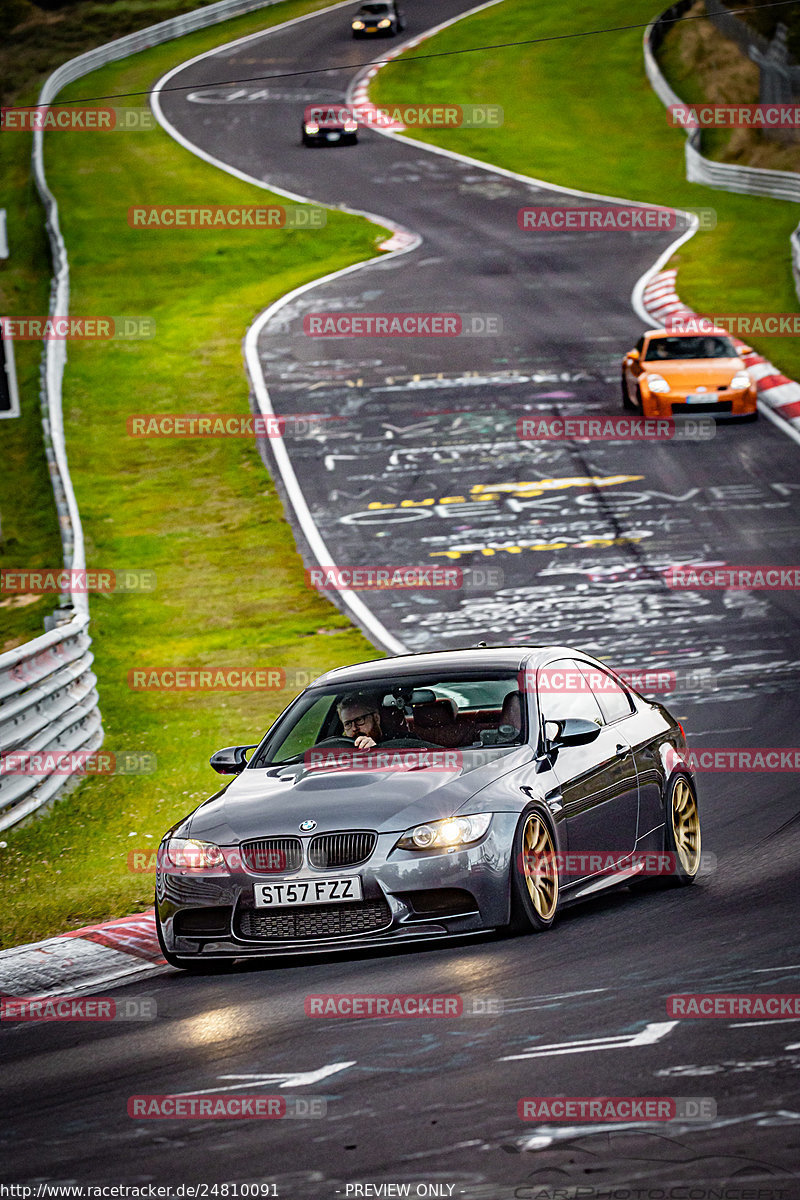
(633, 355)
(571, 732)
(230, 761)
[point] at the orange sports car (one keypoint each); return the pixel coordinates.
(668, 374)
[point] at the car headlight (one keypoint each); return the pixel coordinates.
(740, 380)
(311, 127)
(358, 24)
(384, 24)
(442, 835)
(350, 126)
(657, 383)
(191, 855)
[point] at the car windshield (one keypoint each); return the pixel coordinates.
(454, 711)
(373, 10)
(667, 348)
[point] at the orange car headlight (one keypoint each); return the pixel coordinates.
(657, 383)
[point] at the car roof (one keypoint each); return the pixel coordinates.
(499, 658)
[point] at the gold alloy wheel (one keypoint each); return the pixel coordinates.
(541, 873)
(686, 827)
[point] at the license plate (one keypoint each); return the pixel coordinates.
(308, 891)
(333, 137)
(702, 398)
(372, 29)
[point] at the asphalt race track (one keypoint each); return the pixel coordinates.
(559, 541)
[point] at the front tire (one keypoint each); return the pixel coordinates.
(682, 831)
(535, 885)
(627, 403)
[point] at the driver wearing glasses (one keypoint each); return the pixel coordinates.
(361, 720)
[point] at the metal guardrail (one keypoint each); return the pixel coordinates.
(48, 697)
(754, 181)
(48, 705)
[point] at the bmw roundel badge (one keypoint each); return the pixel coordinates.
(307, 826)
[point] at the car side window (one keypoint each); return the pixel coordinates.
(305, 732)
(640, 344)
(614, 701)
(564, 693)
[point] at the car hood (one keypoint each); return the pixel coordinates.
(712, 372)
(272, 801)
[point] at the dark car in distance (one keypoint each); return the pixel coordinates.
(329, 124)
(430, 795)
(377, 20)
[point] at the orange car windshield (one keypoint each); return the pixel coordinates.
(670, 348)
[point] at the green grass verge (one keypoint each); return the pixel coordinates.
(203, 514)
(580, 112)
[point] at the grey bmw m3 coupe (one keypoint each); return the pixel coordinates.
(427, 796)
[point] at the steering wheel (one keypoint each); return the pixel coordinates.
(402, 743)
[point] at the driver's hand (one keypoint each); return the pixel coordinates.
(363, 742)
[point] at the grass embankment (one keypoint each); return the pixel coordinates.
(202, 514)
(580, 112)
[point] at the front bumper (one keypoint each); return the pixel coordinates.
(407, 896)
(330, 137)
(675, 404)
